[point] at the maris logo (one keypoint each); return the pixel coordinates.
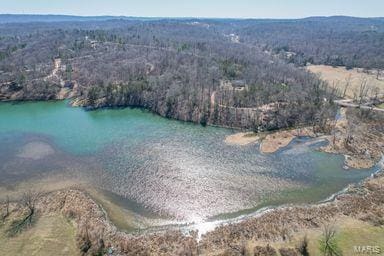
(367, 249)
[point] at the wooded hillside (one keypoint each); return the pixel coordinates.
(237, 73)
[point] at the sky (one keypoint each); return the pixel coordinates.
(198, 8)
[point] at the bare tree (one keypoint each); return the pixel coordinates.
(84, 241)
(363, 91)
(302, 247)
(28, 201)
(376, 92)
(328, 242)
(347, 84)
(6, 208)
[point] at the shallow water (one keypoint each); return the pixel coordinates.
(161, 168)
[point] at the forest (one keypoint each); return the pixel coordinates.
(235, 73)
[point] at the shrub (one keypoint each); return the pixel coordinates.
(302, 248)
(288, 252)
(328, 242)
(264, 251)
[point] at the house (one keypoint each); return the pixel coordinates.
(239, 85)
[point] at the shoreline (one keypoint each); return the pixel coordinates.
(76, 205)
(242, 138)
(330, 199)
(79, 206)
(337, 201)
(361, 149)
(271, 141)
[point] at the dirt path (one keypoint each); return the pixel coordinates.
(64, 92)
(213, 101)
(57, 65)
(151, 68)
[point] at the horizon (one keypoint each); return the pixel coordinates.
(241, 9)
(188, 17)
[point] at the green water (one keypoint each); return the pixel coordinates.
(180, 171)
(85, 132)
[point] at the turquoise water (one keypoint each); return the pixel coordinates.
(86, 132)
(179, 170)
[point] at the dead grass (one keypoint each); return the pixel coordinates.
(359, 216)
(360, 209)
(280, 139)
(339, 76)
(275, 141)
(270, 142)
(358, 138)
(50, 235)
(350, 233)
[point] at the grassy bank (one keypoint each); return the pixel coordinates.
(50, 235)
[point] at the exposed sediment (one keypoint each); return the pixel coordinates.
(242, 138)
(359, 137)
(269, 142)
(95, 233)
(356, 136)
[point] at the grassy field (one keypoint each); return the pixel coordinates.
(350, 233)
(339, 76)
(50, 235)
(360, 234)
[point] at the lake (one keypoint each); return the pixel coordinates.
(157, 170)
